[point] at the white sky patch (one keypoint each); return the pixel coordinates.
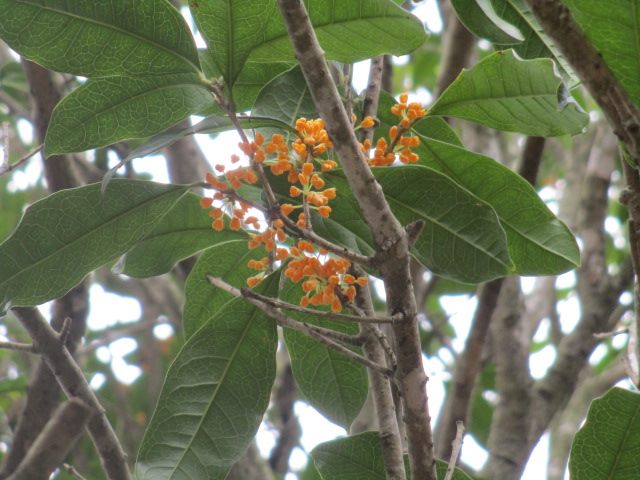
(540, 361)
(536, 466)
(163, 331)
(598, 354)
(108, 309)
(566, 280)
(460, 309)
(569, 311)
(472, 453)
(428, 12)
(316, 429)
(124, 372)
(542, 333)
(97, 381)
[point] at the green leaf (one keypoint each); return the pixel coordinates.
(359, 457)
(536, 43)
(237, 30)
(515, 95)
(106, 110)
(491, 27)
(286, 98)
(253, 77)
(606, 447)
(539, 243)
(462, 238)
(214, 396)
(227, 259)
(616, 39)
(184, 231)
(72, 232)
(332, 383)
(97, 39)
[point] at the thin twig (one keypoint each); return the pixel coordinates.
(320, 334)
(20, 347)
(615, 333)
(8, 168)
(456, 446)
(70, 469)
(319, 313)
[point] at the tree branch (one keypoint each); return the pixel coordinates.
(54, 442)
(325, 336)
(390, 239)
(72, 381)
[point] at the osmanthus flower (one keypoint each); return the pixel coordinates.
(323, 277)
(399, 145)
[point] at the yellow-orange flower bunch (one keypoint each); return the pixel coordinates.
(325, 280)
(399, 144)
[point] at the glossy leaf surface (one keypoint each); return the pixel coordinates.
(514, 95)
(462, 238)
(228, 260)
(214, 396)
(616, 38)
(237, 30)
(330, 382)
(104, 38)
(106, 110)
(72, 232)
(184, 231)
(539, 243)
(606, 447)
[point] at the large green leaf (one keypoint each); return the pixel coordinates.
(606, 447)
(330, 382)
(462, 238)
(227, 259)
(72, 232)
(109, 37)
(106, 110)
(359, 457)
(539, 243)
(493, 28)
(253, 77)
(616, 39)
(214, 396)
(184, 231)
(515, 95)
(536, 43)
(237, 30)
(286, 98)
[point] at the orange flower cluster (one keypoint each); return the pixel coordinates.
(325, 280)
(399, 144)
(237, 209)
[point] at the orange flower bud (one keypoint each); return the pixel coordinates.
(329, 193)
(295, 191)
(324, 211)
(362, 281)
(235, 223)
(286, 208)
(367, 122)
(349, 279)
(403, 98)
(317, 182)
(336, 305)
(328, 165)
(206, 202)
(253, 281)
(218, 224)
